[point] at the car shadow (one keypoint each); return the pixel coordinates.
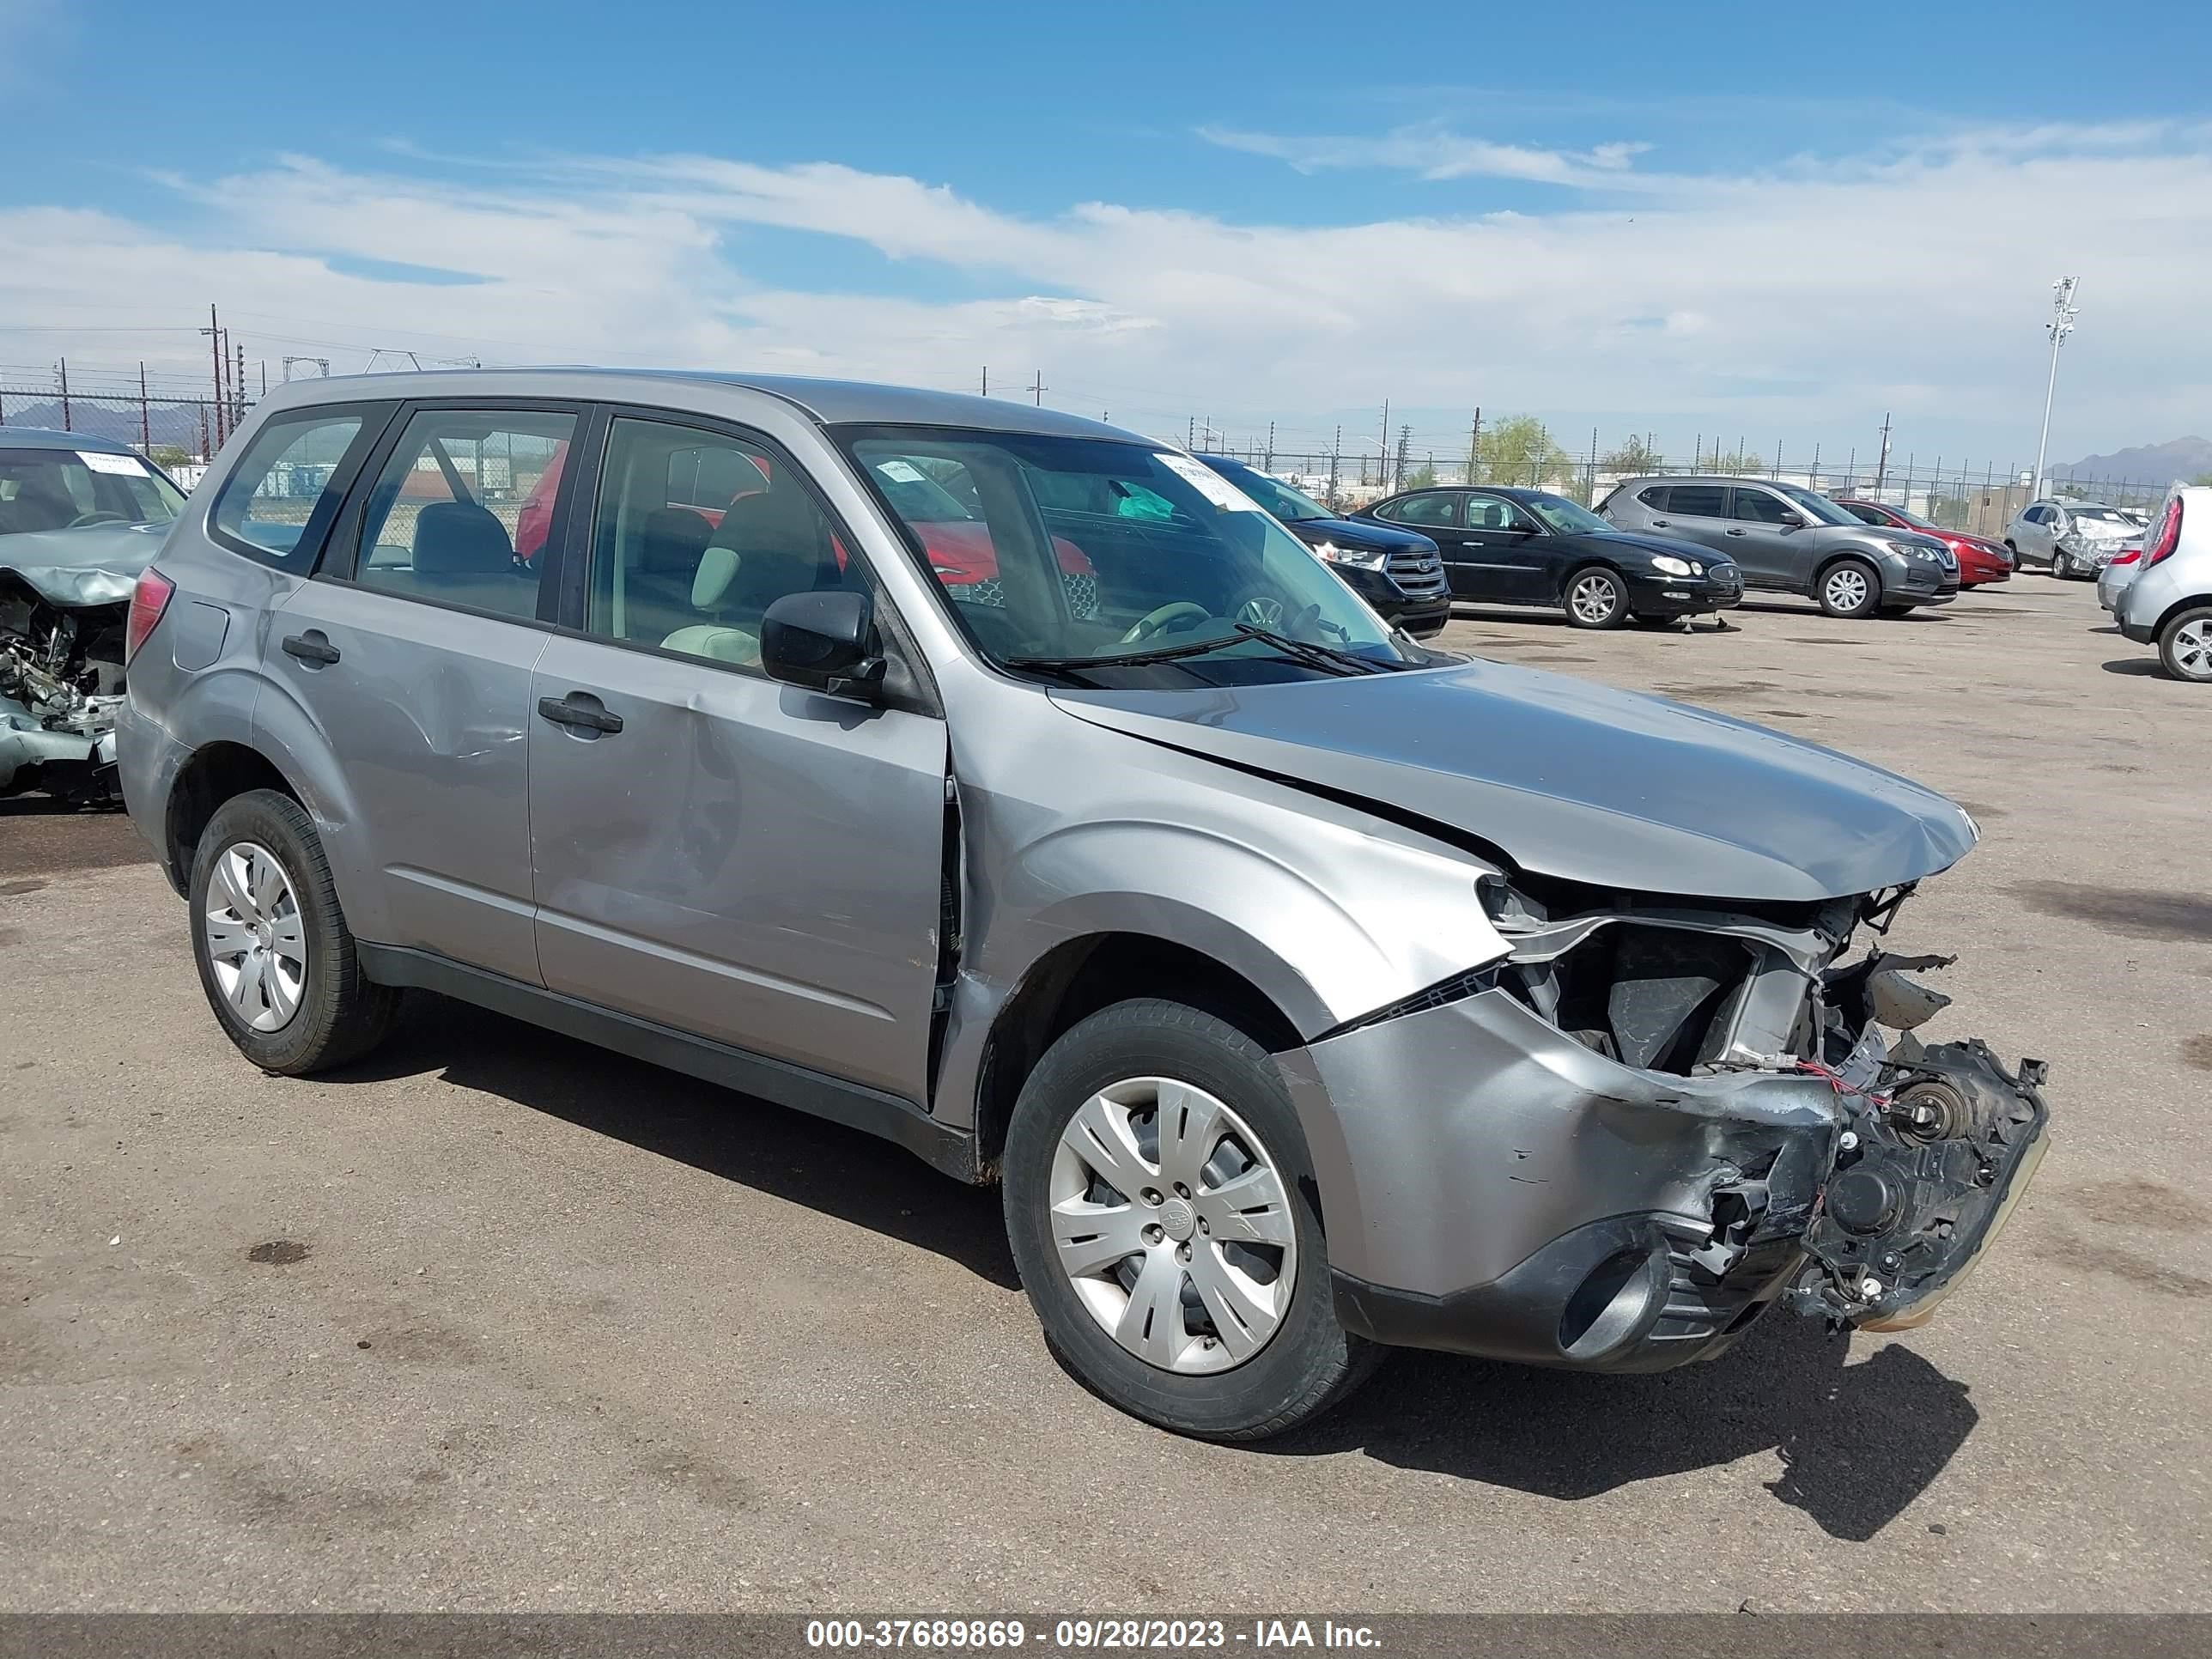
(846, 1174)
(1859, 1444)
(2143, 666)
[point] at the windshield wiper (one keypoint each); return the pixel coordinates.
(1312, 654)
(1125, 658)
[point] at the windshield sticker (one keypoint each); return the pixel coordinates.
(900, 472)
(1208, 482)
(100, 460)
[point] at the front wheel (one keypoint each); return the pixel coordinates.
(2184, 646)
(271, 942)
(1849, 588)
(2061, 567)
(1158, 1201)
(1596, 598)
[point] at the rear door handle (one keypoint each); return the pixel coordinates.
(1658, 523)
(1739, 532)
(312, 646)
(580, 711)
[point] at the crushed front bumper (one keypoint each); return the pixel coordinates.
(1491, 1185)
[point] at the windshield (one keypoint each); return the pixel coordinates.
(1082, 553)
(1286, 503)
(1567, 518)
(1819, 508)
(69, 489)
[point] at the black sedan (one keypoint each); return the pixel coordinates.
(1398, 573)
(1507, 546)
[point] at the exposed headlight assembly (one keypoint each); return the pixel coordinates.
(1360, 558)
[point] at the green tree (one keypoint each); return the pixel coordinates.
(1517, 450)
(1634, 456)
(1422, 478)
(2202, 479)
(167, 455)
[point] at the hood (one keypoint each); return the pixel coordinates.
(1645, 542)
(72, 569)
(1361, 532)
(2102, 530)
(1571, 778)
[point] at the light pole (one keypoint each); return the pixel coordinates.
(2063, 313)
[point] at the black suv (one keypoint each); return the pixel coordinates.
(1400, 572)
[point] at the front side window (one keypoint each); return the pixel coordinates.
(288, 479)
(73, 488)
(1496, 513)
(1566, 518)
(1865, 514)
(440, 520)
(1697, 501)
(1092, 558)
(1816, 507)
(1428, 510)
(696, 535)
(1757, 507)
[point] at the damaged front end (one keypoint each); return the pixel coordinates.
(1669, 1115)
(61, 687)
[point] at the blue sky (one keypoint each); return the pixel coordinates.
(1687, 223)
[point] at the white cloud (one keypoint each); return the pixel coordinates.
(1433, 151)
(1802, 302)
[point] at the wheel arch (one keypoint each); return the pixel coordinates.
(2166, 617)
(1082, 975)
(215, 772)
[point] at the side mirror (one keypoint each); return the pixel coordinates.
(1789, 521)
(825, 642)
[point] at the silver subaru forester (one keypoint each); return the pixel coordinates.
(1013, 786)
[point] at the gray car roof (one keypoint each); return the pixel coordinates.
(43, 437)
(828, 402)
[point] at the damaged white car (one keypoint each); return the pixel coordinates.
(80, 517)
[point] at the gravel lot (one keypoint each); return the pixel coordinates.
(547, 1328)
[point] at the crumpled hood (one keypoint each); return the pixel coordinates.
(96, 565)
(1572, 779)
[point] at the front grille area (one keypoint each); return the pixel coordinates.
(1420, 575)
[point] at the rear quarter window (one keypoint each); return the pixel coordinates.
(1654, 498)
(277, 504)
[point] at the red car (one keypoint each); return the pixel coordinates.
(1980, 562)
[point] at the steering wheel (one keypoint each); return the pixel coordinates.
(1156, 622)
(97, 516)
(1262, 609)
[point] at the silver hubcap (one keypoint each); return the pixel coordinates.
(2192, 649)
(1847, 590)
(1172, 1224)
(1593, 598)
(256, 941)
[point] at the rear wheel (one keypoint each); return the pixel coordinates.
(2184, 645)
(1158, 1199)
(1596, 598)
(1849, 588)
(271, 942)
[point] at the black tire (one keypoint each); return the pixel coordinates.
(2196, 666)
(1310, 1363)
(2061, 566)
(340, 1015)
(1595, 579)
(1839, 597)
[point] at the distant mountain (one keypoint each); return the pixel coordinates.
(2151, 464)
(110, 417)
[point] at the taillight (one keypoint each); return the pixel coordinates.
(2168, 537)
(2128, 557)
(147, 601)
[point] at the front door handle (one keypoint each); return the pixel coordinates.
(1739, 532)
(312, 646)
(1659, 524)
(580, 711)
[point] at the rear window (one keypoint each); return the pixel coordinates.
(1655, 497)
(277, 504)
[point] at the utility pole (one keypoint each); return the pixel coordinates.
(1382, 450)
(66, 427)
(1398, 475)
(1190, 433)
(986, 380)
(1474, 446)
(1270, 466)
(1882, 466)
(1335, 449)
(1036, 391)
(214, 331)
(145, 419)
(2063, 313)
(237, 388)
